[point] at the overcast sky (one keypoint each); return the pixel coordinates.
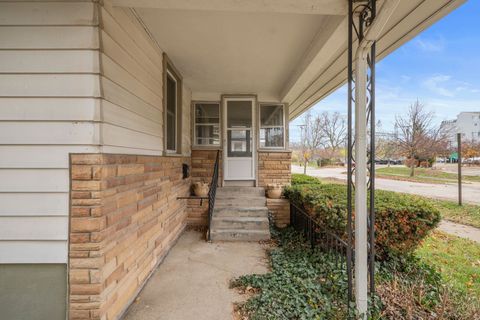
(440, 67)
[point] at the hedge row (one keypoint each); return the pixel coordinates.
(298, 178)
(402, 221)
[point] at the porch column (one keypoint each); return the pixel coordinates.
(370, 26)
(361, 214)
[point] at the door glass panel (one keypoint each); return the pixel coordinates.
(239, 143)
(239, 114)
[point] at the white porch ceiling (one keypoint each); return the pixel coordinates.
(292, 51)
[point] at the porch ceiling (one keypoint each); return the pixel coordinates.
(283, 50)
(233, 52)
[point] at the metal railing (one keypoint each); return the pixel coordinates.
(325, 241)
(211, 195)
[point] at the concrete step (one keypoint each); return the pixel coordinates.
(239, 235)
(240, 223)
(241, 191)
(229, 211)
(240, 201)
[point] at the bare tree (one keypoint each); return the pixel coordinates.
(311, 137)
(416, 134)
(334, 129)
(386, 148)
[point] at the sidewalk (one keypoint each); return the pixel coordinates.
(460, 230)
(193, 280)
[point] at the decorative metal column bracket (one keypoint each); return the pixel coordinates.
(361, 15)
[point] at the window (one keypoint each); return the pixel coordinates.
(172, 107)
(272, 126)
(207, 124)
(171, 113)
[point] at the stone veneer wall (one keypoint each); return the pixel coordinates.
(274, 167)
(124, 217)
(280, 209)
(202, 171)
(202, 165)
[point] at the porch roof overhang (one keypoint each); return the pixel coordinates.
(293, 51)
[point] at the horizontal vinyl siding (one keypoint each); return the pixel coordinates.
(24, 204)
(49, 109)
(132, 80)
(49, 61)
(34, 228)
(40, 156)
(60, 37)
(38, 251)
(132, 85)
(50, 106)
(47, 13)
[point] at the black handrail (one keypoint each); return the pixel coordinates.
(211, 195)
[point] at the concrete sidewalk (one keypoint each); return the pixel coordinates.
(460, 230)
(193, 280)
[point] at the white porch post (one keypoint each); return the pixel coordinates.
(361, 214)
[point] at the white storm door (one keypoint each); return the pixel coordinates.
(239, 139)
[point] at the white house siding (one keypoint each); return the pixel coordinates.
(132, 84)
(49, 107)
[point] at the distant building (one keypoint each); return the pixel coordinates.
(467, 123)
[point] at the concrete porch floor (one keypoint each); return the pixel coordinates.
(193, 280)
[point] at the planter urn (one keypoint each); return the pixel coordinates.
(274, 191)
(200, 189)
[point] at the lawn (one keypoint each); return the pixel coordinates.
(309, 284)
(466, 214)
(422, 175)
(457, 259)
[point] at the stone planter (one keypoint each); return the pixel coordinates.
(200, 189)
(274, 191)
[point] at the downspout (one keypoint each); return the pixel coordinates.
(361, 213)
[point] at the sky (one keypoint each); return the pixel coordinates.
(440, 67)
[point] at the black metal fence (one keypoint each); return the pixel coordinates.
(326, 241)
(211, 194)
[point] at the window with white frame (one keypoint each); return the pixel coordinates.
(272, 126)
(207, 124)
(171, 112)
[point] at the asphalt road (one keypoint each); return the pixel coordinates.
(471, 191)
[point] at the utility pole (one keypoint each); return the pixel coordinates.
(302, 141)
(459, 156)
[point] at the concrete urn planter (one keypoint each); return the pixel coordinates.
(200, 189)
(274, 191)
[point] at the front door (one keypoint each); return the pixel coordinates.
(239, 139)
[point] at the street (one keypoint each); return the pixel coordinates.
(471, 191)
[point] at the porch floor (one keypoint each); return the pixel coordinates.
(193, 280)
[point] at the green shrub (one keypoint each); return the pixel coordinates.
(402, 221)
(302, 284)
(298, 178)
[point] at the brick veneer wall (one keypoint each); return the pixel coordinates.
(197, 212)
(202, 165)
(124, 219)
(201, 171)
(274, 167)
(280, 209)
